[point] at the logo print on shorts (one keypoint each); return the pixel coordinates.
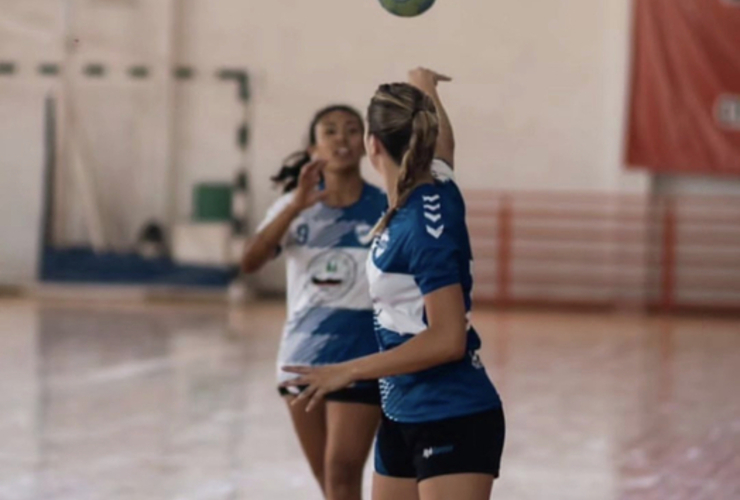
(475, 361)
(437, 450)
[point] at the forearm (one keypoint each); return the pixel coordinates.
(446, 137)
(426, 350)
(264, 246)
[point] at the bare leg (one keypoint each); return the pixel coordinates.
(457, 487)
(351, 428)
(392, 488)
(311, 431)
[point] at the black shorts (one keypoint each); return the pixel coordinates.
(460, 445)
(368, 393)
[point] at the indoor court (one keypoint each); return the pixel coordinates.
(597, 147)
(179, 397)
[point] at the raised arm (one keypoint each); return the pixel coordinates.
(264, 246)
(427, 81)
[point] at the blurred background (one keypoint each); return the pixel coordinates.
(598, 144)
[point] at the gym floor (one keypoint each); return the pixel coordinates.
(154, 401)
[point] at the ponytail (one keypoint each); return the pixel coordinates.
(408, 129)
(288, 175)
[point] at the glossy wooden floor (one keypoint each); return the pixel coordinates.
(106, 402)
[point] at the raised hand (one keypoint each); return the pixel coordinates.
(307, 193)
(426, 80)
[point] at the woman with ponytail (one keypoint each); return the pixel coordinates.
(442, 430)
(321, 224)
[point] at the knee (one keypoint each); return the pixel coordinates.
(343, 473)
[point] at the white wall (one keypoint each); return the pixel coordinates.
(21, 184)
(121, 124)
(534, 80)
(538, 97)
(25, 30)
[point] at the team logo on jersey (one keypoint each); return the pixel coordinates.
(332, 274)
(362, 232)
(380, 244)
(432, 207)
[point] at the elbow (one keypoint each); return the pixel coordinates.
(250, 265)
(456, 350)
(256, 255)
(458, 353)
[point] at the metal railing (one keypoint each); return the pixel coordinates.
(604, 249)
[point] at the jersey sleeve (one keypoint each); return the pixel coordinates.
(442, 171)
(276, 209)
(434, 258)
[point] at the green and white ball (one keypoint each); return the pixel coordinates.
(407, 8)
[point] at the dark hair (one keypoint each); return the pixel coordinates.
(404, 120)
(287, 176)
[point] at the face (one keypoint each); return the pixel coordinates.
(339, 141)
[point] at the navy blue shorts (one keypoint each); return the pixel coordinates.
(461, 445)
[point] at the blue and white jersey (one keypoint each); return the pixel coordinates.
(426, 247)
(330, 316)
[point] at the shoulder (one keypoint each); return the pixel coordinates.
(282, 202)
(374, 191)
(442, 171)
(432, 215)
(375, 196)
(449, 194)
(275, 209)
(370, 208)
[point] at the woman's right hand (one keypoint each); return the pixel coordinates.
(307, 193)
(264, 246)
(426, 80)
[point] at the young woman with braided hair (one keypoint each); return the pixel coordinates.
(442, 431)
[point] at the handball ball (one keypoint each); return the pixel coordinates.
(407, 8)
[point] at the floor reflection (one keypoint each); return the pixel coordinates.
(178, 402)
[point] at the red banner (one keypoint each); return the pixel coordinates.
(685, 108)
